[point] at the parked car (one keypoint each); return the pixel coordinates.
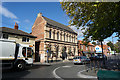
(98, 57)
(80, 59)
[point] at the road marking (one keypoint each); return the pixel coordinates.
(66, 66)
(55, 75)
(85, 76)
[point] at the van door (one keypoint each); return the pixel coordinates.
(28, 54)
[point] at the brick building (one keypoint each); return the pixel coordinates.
(85, 50)
(52, 38)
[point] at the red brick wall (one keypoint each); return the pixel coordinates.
(38, 28)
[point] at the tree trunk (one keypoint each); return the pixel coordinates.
(102, 54)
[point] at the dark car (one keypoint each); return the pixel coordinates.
(80, 59)
(98, 57)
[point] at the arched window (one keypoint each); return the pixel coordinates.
(64, 36)
(50, 33)
(57, 35)
(54, 34)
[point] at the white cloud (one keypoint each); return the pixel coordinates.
(5, 12)
(78, 31)
(27, 21)
(16, 21)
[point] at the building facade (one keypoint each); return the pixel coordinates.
(53, 38)
(18, 35)
(84, 50)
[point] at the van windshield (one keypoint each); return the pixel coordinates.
(27, 52)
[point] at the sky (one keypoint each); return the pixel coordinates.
(25, 13)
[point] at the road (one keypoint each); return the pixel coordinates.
(63, 70)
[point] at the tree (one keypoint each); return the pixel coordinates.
(111, 45)
(99, 20)
(94, 43)
(117, 47)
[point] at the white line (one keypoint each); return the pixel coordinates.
(55, 75)
(85, 76)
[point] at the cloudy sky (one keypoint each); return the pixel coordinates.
(25, 13)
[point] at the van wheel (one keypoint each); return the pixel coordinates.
(20, 65)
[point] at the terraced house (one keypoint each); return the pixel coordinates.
(53, 38)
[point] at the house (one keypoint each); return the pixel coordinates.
(106, 49)
(85, 50)
(53, 38)
(18, 35)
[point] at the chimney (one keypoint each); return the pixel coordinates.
(16, 26)
(39, 14)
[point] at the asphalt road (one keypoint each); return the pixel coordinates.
(66, 70)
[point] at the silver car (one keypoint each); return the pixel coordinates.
(80, 59)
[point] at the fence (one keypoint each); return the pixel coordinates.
(110, 63)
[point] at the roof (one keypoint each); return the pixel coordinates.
(104, 46)
(16, 32)
(82, 43)
(58, 25)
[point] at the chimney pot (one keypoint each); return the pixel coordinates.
(16, 26)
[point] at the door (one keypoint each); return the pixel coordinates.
(28, 54)
(37, 56)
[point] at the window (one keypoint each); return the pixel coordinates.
(29, 52)
(54, 35)
(50, 33)
(67, 37)
(74, 39)
(25, 39)
(24, 51)
(70, 38)
(61, 36)
(57, 35)
(5, 36)
(64, 36)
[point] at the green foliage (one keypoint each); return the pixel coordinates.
(99, 19)
(117, 47)
(111, 45)
(114, 47)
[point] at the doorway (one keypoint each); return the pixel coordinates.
(37, 56)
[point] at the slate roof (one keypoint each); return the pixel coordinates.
(58, 25)
(16, 32)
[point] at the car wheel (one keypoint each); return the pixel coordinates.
(20, 65)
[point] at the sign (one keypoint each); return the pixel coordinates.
(98, 49)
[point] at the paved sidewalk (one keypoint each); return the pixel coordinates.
(91, 74)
